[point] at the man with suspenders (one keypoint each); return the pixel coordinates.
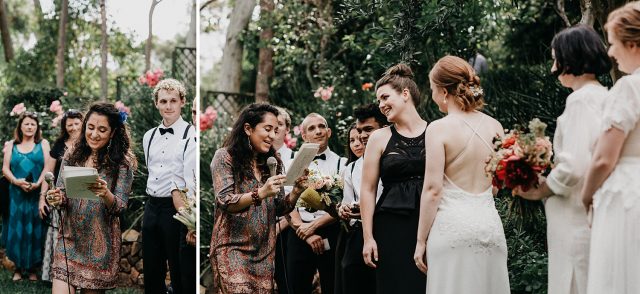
(306, 250)
(164, 151)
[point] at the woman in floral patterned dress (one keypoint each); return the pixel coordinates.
(89, 243)
(248, 201)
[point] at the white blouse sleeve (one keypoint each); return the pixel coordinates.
(622, 110)
(347, 191)
(575, 137)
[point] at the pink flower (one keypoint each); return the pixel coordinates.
(56, 107)
(211, 113)
(18, 109)
(290, 141)
(151, 78)
(121, 107)
(324, 93)
(208, 118)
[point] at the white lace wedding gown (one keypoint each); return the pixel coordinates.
(614, 265)
(466, 247)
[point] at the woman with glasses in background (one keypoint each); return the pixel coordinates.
(70, 128)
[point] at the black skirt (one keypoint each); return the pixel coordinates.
(396, 235)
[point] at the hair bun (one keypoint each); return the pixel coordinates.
(401, 70)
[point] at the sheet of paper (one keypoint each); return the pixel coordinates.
(301, 161)
(77, 180)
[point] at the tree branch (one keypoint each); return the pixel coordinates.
(588, 18)
(559, 8)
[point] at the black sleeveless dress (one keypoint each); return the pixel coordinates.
(395, 221)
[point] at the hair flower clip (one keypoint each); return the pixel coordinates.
(477, 91)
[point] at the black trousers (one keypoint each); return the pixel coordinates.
(302, 263)
(357, 277)
(187, 263)
(281, 259)
(160, 244)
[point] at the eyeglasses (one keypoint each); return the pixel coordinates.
(31, 114)
(72, 113)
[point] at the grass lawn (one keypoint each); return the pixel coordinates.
(40, 287)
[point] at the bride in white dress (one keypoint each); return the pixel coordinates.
(460, 231)
(613, 181)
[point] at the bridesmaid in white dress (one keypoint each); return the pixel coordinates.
(460, 231)
(613, 180)
(579, 55)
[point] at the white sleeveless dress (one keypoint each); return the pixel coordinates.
(466, 247)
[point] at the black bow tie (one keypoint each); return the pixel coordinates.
(321, 156)
(164, 131)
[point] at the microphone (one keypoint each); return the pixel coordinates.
(48, 176)
(272, 163)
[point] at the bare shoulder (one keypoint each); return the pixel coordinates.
(379, 138)
(494, 125)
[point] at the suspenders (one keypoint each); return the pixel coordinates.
(184, 136)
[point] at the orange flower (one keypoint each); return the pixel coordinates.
(367, 86)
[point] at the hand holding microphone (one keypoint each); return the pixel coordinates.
(54, 195)
(274, 183)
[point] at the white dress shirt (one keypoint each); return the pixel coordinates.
(568, 233)
(333, 165)
(286, 155)
(187, 175)
(352, 177)
(165, 158)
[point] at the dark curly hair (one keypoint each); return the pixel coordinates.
(64, 134)
(579, 50)
(237, 143)
(17, 132)
(366, 111)
(110, 157)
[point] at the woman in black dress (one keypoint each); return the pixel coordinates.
(70, 127)
(396, 155)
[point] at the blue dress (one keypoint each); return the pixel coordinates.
(25, 230)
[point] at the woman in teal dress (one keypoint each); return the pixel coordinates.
(23, 235)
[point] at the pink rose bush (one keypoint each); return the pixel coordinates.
(18, 109)
(208, 118)
(324, 93)
(151, 78)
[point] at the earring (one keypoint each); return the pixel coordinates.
(445, 100)
(249, 141)
(109, 146)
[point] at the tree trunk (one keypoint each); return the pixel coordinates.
(39, 16)
(6, 35)
(191, 35)
(147, 49)
(265, 57)
(231, 67)
(104, 49)
(62, 40)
